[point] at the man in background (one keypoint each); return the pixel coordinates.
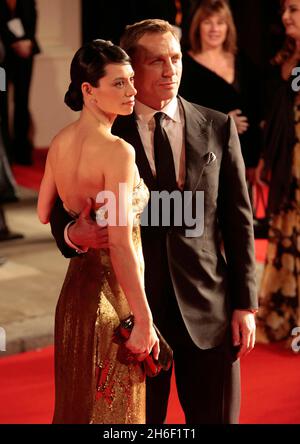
(17, 27)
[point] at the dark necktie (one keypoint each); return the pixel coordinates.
(164, 161)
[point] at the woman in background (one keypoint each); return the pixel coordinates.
(280, 287)
(215, 76)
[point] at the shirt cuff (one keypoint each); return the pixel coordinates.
(70, 243)
(250, 310)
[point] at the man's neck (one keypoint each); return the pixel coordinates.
(145, 112)
(158, 106)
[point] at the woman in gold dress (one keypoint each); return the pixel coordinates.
(104, 286)
(279, 293)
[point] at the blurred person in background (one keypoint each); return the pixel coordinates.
(7, 182)
(17, 27)
(260, 15)
(215, 75)
(280, 164)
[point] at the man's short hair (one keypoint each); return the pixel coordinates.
(133, 33)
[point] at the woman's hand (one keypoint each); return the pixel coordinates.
(241, 121)
(143, 340)
(250, 175)
(258, 172)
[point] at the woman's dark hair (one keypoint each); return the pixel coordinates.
(88, 65)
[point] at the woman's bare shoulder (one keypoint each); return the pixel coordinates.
(124, 147)
(62, 137)
(111, 146)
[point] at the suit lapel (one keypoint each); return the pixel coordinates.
(197, 137)
(126, 127)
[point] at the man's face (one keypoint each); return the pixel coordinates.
(158, 67)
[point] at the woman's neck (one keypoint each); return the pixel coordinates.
(218, 61)
(210, 53)
(296, 54)
(95, 117)
(297, 47)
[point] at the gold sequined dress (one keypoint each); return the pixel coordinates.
(91, 385)
(279, 292)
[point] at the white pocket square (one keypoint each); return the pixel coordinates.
(210, 157)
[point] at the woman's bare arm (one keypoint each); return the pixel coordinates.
(47, 193)
(122, 252)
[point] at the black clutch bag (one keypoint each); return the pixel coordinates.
(151, 365)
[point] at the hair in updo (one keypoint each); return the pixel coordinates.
(88, 65)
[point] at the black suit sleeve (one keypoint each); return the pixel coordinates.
(58, 220)
(29, 18)
(236, 223)
(6, 35)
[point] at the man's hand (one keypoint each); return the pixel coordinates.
(23, 48)
(243, 331)
(86, 233)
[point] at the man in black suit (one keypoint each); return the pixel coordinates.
(202, 303)
(7, 183)
(17, 28)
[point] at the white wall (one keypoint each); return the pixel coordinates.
(59, 36)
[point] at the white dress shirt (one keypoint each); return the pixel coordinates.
(173, 124)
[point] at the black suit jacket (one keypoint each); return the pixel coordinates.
(26, 12)
(207, 286)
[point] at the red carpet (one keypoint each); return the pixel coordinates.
(270, 388)
(30, 177)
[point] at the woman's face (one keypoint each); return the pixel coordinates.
(115, 92)
(291, 18)
(213, 32)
